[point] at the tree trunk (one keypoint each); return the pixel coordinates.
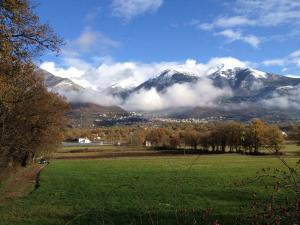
(26, 159)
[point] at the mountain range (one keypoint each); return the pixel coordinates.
(250, 93)
(247, 85)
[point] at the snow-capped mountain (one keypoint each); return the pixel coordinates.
(80, 98)
(166, 79)
(247, 86)
(252, 85)
(116, 90)
(160, 82)
(58, 84)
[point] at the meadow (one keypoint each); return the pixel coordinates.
(143, 190)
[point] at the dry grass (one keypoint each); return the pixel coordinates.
(20, 182)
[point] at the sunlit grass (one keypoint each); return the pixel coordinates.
(123, 190)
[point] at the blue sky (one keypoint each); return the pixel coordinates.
(263, 34)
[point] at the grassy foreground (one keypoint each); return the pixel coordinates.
(139, 190)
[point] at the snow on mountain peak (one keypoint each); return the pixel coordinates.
(258, 74)
(170, 72)
(167, 73)
(230, 73)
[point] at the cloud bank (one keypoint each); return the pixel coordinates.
(202, 93)
(291, 100)
(130, 74)
(125, 75)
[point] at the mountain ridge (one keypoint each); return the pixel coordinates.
(248, 86)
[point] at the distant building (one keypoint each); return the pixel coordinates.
(148, 144)
(284, 134)
(84, 141)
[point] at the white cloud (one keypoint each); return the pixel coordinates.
(145, 100)
(239, 36)
(249, 14)
(226, 63)
(292, 76)
(296, 61)
(128, 9)
(202, 93)
(91, 43)
(91, 40)
(274, 62)
(291, 59)
(90, 96)
(271, 12)
(295, 54)
(292, 100)
(234, 21)
(52, 68)
(227, 22)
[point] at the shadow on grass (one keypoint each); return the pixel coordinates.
(182, 151)
(152, 217)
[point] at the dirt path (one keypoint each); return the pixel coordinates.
(20, 182)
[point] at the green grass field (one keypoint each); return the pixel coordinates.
(139, 190)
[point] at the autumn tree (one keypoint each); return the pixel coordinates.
(274, 139)
(256, 136)
(205, 139)
(31, 118)
(234, 136)
(22, 35)
(222, 136)
(137, 137)
(192, 138)
(174, 140)
(159, 137)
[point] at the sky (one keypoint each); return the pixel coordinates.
(126, 42)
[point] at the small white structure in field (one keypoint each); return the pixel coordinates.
(84, 141)
(148, 144)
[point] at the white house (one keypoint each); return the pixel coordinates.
(84, 141)
(284, 134)
(148, 144)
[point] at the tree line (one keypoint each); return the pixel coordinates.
(222, 137)
(229, 136)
